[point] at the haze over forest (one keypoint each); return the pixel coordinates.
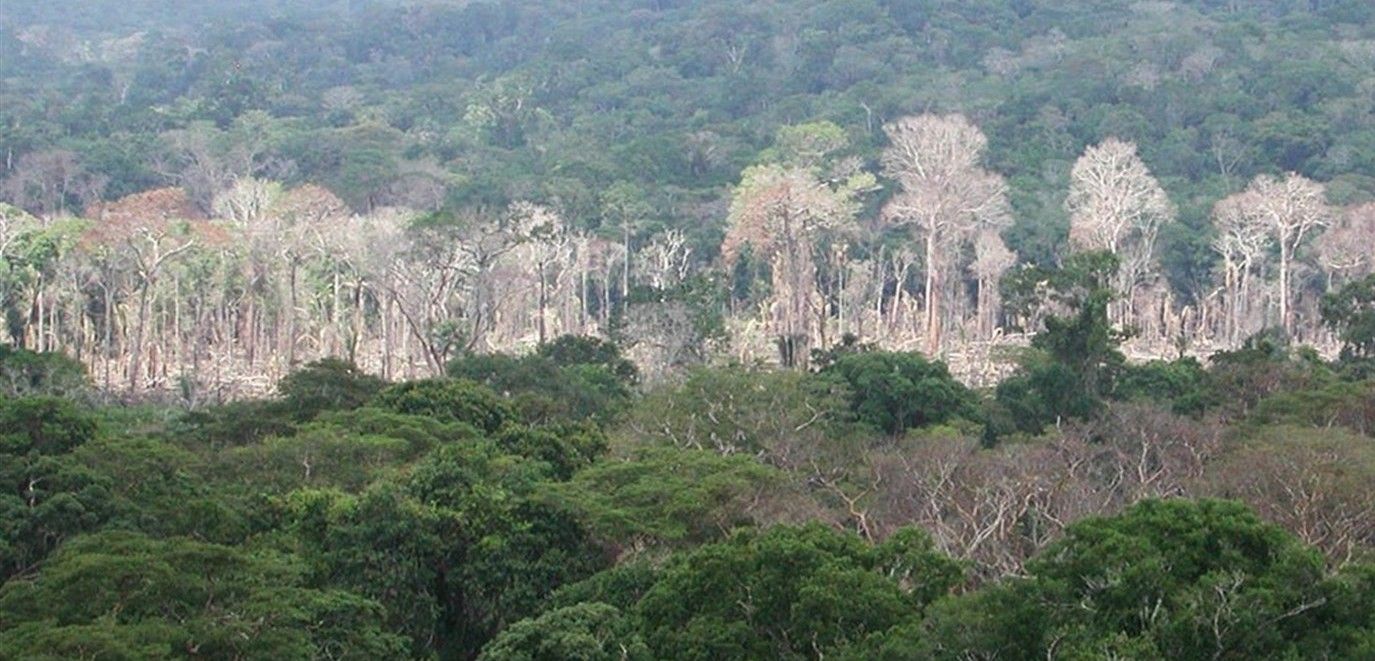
(553, 329)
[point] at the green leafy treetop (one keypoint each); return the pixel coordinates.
(897, 391)
(790, 593)
(587, 632)
(448, 400)
(1075, 362)
(121, 595)
(1351, 312)
(24, 372)
(1167, 579)
(329, 384)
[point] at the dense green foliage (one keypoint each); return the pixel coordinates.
(448, 400)
(897, 391)
(1075, 362)
(569, 379)
(122, 595)
(1166, 579)
(741, 513)
(24, 372)
(1351, 311)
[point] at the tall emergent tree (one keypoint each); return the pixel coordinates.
(783, 211)
(1293, 208)
(1116, 205)
(1347, 249)
(946, 194)
(1242, 240)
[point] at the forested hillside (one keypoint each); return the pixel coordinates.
(215, 193)
(658, 329)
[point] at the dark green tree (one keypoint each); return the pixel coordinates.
(587, 631)
(448, 400)
(1351, 312)
(894, 391)
(328, 384)
(24, 372)
(1166, 579)
(456, 550)
(1074, 363)
(667, 496)
(790, 593)
(125, 595)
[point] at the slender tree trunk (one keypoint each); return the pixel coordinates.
(606, 299)
(1284, 288)
(933, 317)
(291, 315)
(386, 339)
(881, 279)
(582, 298)
(109, 333)
(543, 301)
(39, 340)
(136, 352)
(840, 295)
(178, 336)
(250, 331)
(335, 301)
(356, 335)
(625, 272)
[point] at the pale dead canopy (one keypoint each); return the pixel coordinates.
(946, 194)
(776, 205)
(780, 212)
(1347, 249)
(992, 259)
(1292, 207)
(1242, 240)
(1115, 204)
(936, 160)
(1272, 212)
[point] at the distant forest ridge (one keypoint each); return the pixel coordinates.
(233, 188)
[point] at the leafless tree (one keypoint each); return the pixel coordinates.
(154, 228)
(1293, 208)
(1347, 249)
(1319, 489)
(48, 183)
(1117, 206)
(665, 261)
(1242, 240)
(991, 260)
(945, 194)
(782, 212)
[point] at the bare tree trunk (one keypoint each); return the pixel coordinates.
(933, 316)
(109, 332)
(178, 336)
(1284, 288)
(291, 315)
(335, 301)
(582, 297)
(136, 352)
(625, 272)
(386, 339)
(543, 301)
(250, 331)
(357, 334)
(39, 339)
